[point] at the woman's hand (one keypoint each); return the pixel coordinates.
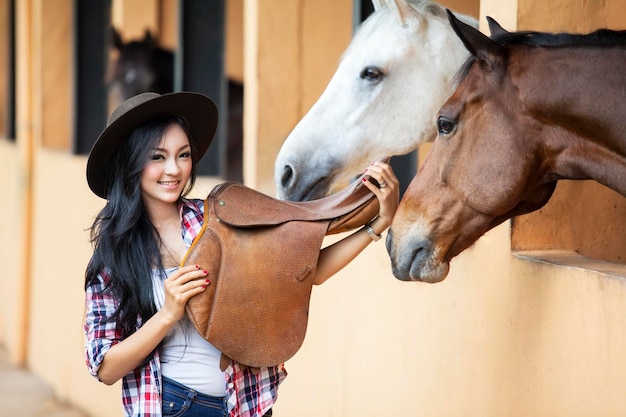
(387, 192)
(180, 286)
(336, 256)
(129, 353)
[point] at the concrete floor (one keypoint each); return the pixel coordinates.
(24, 395)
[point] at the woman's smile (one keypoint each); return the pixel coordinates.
(168, 171)
(169, 184)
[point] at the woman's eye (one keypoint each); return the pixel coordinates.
(185, 155)
(156, 157)
(444, 126)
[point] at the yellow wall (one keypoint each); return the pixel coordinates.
(582, 216)
(291, 49)
(533, 334)
(10, 241)
(501, 336)
(538, 334)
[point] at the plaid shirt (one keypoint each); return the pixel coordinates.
(250, 393)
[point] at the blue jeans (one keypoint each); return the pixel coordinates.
(179, 400)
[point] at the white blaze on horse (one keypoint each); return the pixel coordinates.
(382, 100)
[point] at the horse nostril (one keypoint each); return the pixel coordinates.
(420, 251)
(287, 176)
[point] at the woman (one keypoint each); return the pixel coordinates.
(144, 164)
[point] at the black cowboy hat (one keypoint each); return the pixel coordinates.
(199, 111)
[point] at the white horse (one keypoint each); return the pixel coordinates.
(382, 100)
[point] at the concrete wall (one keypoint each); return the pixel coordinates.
(582, 216)
(506, 334)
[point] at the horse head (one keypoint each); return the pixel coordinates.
(518, 121)
(390, 82)
(141, 65)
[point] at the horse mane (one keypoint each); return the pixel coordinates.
(431, 8)
(428, 7)
(464, 70)
(599, 38)
(424, 8)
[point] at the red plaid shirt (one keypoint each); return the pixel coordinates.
(249, 393)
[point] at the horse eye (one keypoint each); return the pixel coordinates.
(444, 126)
(372, 74)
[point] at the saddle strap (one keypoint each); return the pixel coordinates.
(241, 206)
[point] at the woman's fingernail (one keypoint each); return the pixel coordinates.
(204, 287)
(363, 179)
(197, 267)
(206, 272)
(208, 280)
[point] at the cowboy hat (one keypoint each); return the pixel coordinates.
(197, 110)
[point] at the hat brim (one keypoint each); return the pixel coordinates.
(199, 111)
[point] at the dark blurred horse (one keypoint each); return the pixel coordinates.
(143, 65)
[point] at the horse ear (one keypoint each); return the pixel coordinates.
(479, 45)
(378, 4)
(116, 39)
(470, 20)
(147, 38)
(494, 28)
(401, 9)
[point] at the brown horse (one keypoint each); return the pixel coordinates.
(530, 108)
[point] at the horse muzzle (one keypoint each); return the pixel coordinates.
(414, 259)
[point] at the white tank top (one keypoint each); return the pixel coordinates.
(186, 356)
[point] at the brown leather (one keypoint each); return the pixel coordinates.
(261, 254)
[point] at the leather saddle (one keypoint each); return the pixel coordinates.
(261, 254)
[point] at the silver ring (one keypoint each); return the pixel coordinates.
(382, 184)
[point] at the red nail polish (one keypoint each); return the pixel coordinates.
(207, 281)
(206, 272)
(363, 179)
(204, 287)
(197, 267)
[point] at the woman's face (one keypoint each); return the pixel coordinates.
(169, 168)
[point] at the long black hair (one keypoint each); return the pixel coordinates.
(126, 243)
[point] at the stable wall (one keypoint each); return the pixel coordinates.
(582, 216)
(511, 334)
(501, 336)
(11, 239)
